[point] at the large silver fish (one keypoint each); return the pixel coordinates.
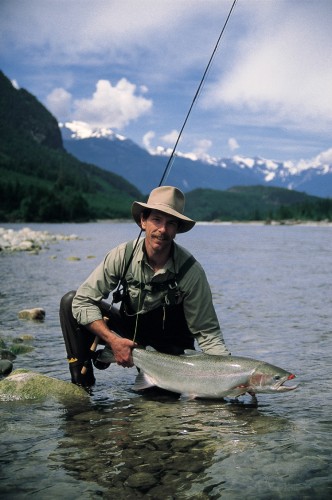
(206, 376)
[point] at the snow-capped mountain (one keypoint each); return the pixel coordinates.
(145, 168)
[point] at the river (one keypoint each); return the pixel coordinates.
(272, 291)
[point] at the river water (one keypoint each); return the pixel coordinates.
(272, 292)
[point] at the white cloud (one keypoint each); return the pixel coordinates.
(325, 157)
(282, 72)
(147, 139)
(233, 144)
(111, 106)
(59, 102)
(171, 137)
(201, 148)
(108, 107)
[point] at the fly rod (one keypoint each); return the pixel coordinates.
(117, 294)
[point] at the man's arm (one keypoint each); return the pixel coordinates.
(200, 312)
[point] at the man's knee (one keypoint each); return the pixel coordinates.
(67, 300)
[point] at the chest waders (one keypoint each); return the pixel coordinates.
(164, 328)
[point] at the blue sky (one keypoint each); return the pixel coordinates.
(134, 67)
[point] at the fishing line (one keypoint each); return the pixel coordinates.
(119, 291)
(171, 158)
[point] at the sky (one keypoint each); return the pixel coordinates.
(134, 66)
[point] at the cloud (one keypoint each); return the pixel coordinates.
(147, 139)
(282, 72)
(109, 106)
(201, 148)
(171, 137)
(233, 144)
(59, 102)
(325, 157)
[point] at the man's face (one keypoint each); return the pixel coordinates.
(160, 230)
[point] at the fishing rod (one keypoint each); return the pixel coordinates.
(119, 291)
(169, 163)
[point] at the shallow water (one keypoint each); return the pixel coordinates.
(272, 291)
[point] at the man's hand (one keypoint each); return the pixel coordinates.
(122, 350)
(121, 347)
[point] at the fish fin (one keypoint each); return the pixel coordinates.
(143, 382)
(150, 348)
(192, 352)
(187, 397)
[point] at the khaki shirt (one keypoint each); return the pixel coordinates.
(194, 292)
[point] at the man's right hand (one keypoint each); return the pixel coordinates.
(122, 350)
(121, 347)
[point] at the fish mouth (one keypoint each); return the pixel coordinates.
(281, 387)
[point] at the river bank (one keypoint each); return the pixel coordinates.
(27, 239)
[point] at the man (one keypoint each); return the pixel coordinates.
(166, 300)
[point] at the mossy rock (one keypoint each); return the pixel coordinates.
(6, 366)
(25, 384)
(21, 348)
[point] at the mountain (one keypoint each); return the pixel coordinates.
(144, 170)
(247, 203)
(40, 180)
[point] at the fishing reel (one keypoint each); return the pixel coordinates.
(99, 361)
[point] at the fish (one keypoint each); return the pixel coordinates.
(200, 375)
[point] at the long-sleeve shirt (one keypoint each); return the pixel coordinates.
(193, 291)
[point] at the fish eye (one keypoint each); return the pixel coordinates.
(277, 377)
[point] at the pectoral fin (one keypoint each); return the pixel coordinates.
(143, 381)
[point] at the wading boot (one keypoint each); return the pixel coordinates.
(85, 380)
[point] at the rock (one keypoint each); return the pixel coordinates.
(6, 366)
(141, 480)
(25, 384)
(35, 313)
(23, 338)
(21, 348)
(26, 239)
(7, 354)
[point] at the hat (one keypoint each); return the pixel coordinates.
(166, 199)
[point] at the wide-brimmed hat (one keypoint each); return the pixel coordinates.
(169, 200)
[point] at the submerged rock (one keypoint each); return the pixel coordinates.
(7, 354)
(37, 313)
(6, 366)
(21, 348)
(25, 384)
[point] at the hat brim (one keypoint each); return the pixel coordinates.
(185, 224)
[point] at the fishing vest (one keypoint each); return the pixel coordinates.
(171, 286)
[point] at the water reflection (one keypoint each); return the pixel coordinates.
(159, 447)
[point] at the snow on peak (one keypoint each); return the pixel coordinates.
(246, 162)
(82, 130)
